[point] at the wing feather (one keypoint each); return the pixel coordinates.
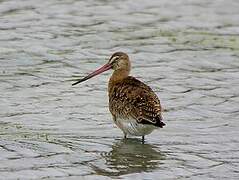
(133, 98)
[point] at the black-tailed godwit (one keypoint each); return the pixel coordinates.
(135, 108)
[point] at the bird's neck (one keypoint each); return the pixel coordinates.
(117, 76)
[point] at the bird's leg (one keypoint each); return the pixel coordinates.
(142, 139)
(125, 136)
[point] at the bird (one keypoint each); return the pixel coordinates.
(134, 106)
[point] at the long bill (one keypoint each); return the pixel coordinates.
(104, 68)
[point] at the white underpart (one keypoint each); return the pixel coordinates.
(130, 126)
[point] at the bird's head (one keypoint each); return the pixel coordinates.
(119, 61)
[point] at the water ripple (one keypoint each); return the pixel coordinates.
(186, 51)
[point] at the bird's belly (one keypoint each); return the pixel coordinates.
(130, 126)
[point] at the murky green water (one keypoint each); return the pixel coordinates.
(187, 51)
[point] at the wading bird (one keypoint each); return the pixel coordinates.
(135, 108)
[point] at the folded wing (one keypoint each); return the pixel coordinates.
(132, 98)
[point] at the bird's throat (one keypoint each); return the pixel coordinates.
(117, 76)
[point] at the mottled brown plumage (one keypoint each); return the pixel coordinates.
(135, 108)
(131, 97)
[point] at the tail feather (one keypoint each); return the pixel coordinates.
(159, 122)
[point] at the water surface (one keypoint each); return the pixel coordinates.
(187, 51)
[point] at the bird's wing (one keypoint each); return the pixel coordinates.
(137, 100)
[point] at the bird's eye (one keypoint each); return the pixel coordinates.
(114, 59)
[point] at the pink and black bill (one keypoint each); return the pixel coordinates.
(104, 68)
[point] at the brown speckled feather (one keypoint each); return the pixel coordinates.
(131, 97)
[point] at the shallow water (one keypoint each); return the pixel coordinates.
(187, 51)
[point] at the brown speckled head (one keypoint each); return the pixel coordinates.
(120, 61)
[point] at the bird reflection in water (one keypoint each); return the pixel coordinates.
(130, 156)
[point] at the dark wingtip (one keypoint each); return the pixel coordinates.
(160, 124)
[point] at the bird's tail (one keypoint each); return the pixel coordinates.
(159, 122)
